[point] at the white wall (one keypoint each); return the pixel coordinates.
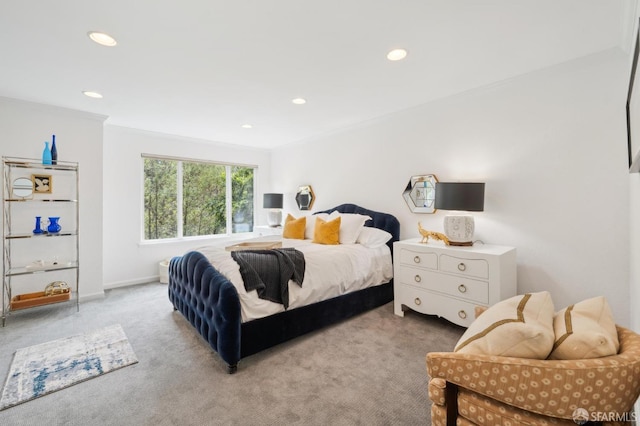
(126, 260)
(25, 126)
(634, 197)
(551, 147)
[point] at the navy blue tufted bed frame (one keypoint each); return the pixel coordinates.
(211, 304)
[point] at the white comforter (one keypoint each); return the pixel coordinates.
(331, 270)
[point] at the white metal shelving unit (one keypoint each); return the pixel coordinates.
(36, 259)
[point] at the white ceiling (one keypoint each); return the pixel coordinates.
(203, 68)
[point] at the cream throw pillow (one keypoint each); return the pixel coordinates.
(350, 226)
(521, 326)
(373, 237)
(585, 330)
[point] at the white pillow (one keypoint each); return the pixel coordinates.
(311, 223)
(585, 330)
(350, 226)
(521, 326)
(373, 237)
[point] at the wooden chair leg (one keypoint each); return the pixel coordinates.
(451, 401)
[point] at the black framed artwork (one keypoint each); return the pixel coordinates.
(633, 112)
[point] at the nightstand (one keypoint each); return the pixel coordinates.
(449, 281)
(264, 230)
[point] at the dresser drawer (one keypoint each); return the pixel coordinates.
(420, 259)
(461, 287)
(456, 311)
(458, 265)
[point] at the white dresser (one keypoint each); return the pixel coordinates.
(450, 281)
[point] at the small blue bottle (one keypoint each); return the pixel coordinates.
(46, 154)
(38, 229)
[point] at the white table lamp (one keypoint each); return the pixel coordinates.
(460, 197)
(273, 204)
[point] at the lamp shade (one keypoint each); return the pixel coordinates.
(462, 196)
(272, 201)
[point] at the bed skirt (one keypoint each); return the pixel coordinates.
(260, 334)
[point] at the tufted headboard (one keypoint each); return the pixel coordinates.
(384, 221)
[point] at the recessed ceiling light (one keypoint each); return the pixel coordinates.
(102, 38)
(247, 126)
(299, 101)
(397, 54)
(92, 94)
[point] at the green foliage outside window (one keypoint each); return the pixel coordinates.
(204, 198)
(242, 198)
(160, 199)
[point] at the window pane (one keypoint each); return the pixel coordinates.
(242, 198)
(203, 199)
(160, 199)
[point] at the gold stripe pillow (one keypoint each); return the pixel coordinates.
(521, 326)
(585, 330)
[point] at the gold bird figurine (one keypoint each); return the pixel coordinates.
(431, 234)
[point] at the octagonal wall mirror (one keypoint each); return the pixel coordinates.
(305, 197)
(420, 193)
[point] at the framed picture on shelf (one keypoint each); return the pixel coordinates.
(633, 112)
(42, 184)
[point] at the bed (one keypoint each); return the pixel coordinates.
(211, 302)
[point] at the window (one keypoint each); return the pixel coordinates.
(189, 198)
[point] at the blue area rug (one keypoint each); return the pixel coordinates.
(48, 367)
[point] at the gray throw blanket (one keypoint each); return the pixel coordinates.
(269, 272)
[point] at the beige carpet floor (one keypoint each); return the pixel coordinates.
(369, 370)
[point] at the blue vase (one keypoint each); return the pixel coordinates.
(38, 229)
(54, 226)
(46, 154)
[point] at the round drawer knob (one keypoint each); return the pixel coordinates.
(462, 267)
(418, 278)
(462, 288)
(462, 314)
(417, 301)
(416, 259)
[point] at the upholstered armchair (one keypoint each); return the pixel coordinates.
(472, 389)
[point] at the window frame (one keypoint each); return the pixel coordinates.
(179, 195)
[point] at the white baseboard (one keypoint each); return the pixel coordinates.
(126, 283)
(92, 296)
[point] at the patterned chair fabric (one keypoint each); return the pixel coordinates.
(469, 389)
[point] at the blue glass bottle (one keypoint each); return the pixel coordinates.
(38, 229)
(46, 154)
(54, 150)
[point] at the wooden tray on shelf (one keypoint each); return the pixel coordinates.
(255, 245)
(30, 300)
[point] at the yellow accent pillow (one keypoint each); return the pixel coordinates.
(585, 330)
(327, 232)
(521, 326)
(294, 228)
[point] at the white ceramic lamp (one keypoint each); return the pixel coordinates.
(273, 204)
(459, 197)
